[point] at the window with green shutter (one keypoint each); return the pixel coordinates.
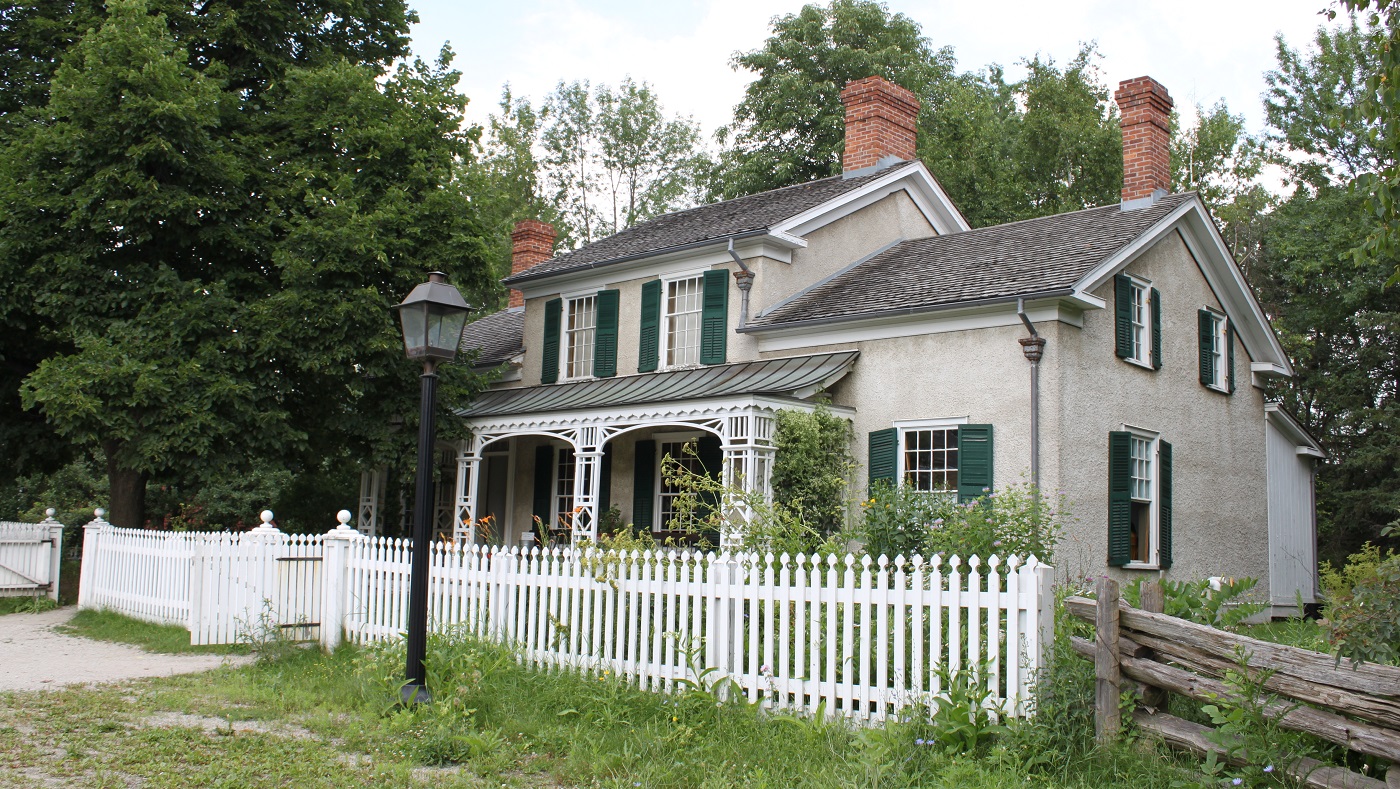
(1206, 339)
(1119, 498)
(605, 339)
(1123, 315)
(549, 347)
(714, 317)
(1215, 346)
(882, 456)
(1137, 319)
(974, 461)
(649, 356)
(542, 506)
(1164, 505)
(1156, 330)
(1229, 356)
(643, 484)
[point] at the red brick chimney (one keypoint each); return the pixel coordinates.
(1145, 109)
(531, 242)
(880, 122)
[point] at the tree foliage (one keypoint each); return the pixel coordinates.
(213, 220)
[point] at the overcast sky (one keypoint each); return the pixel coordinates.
(1202, 50)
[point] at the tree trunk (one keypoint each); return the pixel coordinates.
(126, 505)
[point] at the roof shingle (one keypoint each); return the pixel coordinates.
(1002, 261)
(500, 336)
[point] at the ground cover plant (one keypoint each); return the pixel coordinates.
(314, 719)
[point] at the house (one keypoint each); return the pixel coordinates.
(1114, 354)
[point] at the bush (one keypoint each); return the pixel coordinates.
(1200, 602)
(1012, 520)
(812, 466)
(1361, 616)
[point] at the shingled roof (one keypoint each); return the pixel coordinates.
(1003, 261)
(500, 336)
(750, 214)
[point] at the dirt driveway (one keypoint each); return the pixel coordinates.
(35, 657)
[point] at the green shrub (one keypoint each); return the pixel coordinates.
(1361, 616)
(812, 466)
(1199, 602)
(1014, 519)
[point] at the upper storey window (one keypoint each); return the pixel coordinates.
(580, 329)
(681, 321)
(1138, 321)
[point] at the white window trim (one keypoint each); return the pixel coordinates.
(904, 425)
(1145, 287)
(569, 299)
(664, 341)
(1222, 352)
(1154, 516)
(559, 448)
(666, 438)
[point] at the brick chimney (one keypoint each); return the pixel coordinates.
(880, 122)
(531, 242)
(1145, 109)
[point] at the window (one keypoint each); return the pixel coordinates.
(667, 493)
(680, 321)
(579, 335)
(1139, 323)
(1215, 351)
(1142, 455)
(929, 458)
(563, 492)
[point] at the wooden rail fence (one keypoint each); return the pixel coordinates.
(1356, 707)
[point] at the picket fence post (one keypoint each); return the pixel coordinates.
(55, 550)
(87, 571)
(263, 541)
(335, 550)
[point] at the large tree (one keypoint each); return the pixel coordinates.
(213, 213)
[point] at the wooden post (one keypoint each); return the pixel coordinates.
(1153, 599)
(1108, 674)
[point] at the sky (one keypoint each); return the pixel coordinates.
(1202, 50)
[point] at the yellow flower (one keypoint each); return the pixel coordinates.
(674, 719)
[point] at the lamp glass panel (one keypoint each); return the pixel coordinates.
(415, 329)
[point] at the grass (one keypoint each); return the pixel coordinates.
(314, 719)
(168, 639)
(26, 604)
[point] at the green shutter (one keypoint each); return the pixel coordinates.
(710, 453)
(605, 482)
(714, 317)
(1120, 501)
(1229, 356)
(544, 485)
(1164, 505)
(884, 445)
(974, 461)
(549, 349)
(650, 342)
(1123, 315)
(1156, 330)
(605, 342)
(1205, 324)
(644, 484)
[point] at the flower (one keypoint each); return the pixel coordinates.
(1269, 769)
(1237, 781)
(919, 741)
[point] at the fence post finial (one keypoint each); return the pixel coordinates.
(267, 526)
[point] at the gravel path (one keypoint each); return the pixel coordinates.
(34, 657)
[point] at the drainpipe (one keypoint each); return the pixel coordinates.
(744, 279)
(1034, 348)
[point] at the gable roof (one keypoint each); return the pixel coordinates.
(750, 215)
(500, 336)
(1031, 257)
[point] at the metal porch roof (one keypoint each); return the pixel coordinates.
(766, 376)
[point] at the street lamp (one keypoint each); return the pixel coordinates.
(433, 316)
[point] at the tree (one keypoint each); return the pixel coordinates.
(217, 244)
(612, 158)
(1219, 160)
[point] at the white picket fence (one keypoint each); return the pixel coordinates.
(856, 637)
(30, 556)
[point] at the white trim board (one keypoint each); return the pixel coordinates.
(904, 325)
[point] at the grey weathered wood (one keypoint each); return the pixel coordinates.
(1303, 664)
(1152, 598)
(1384, 711)
(1108, 678)
(1186, 735)
(1360, 737)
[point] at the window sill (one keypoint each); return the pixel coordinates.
(1140, 363)
(1218, 389)
(1141, 566)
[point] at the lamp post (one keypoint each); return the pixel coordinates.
(433, 316)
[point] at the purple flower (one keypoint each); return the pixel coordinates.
(996, 543)
(1237, 781)
(919, 741)
(1269, 769)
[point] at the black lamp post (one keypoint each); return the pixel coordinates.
(433, 316)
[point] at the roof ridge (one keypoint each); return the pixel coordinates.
(1064, 213)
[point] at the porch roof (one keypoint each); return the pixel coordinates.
(794, 376)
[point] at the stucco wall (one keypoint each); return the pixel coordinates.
(1220, 515)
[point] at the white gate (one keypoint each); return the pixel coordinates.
(29, 557)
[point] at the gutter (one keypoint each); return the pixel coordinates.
(1034, 349)
(1045, 294)
(744, 279)
(519, 278)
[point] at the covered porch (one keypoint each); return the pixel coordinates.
(553, 460)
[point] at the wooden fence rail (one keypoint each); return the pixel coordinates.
(1357, 707)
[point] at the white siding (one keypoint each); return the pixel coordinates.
(1292, 528)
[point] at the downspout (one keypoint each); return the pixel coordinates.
(744, 279)
(1034, 348)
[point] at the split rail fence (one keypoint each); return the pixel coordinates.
(30, 556)
(860, 638)
(1356, 707)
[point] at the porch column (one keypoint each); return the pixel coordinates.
(371, 490)
(588, 466)
(748, 466)
(468, 476)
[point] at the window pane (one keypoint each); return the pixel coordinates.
(580, 327)
(931, 459)
(690, 461)
(682, 322)
(564, 489)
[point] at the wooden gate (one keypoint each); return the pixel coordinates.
(29, 557)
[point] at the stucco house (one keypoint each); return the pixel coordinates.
(1114, 354)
